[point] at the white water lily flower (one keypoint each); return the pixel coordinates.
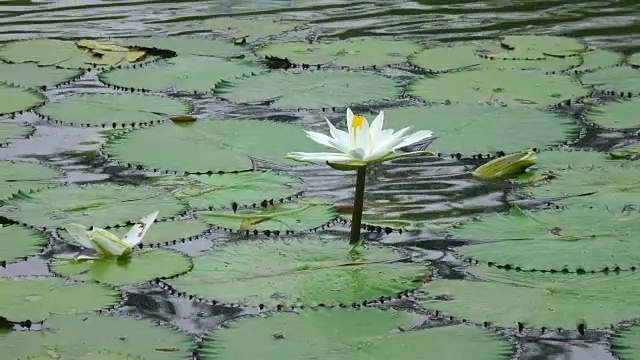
(107, 244)
(362, 144)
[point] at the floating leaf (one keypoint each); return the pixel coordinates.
(229, 145)
(31, 75)
(528, 88)
(576, 238)
(25, 176)
(506, 166)
(188, 74)
(351, 53)
(186, 45)
(108, 109)
(619, 78)
(616, 114)
(35, 298)
(222, 190)
(445, 58)
(91, 205)
(596, 59)
(15, 98)
(625, 343)
(78, 336)
(142, 266)
(13, 131)
(631, 151)
(309, 90)
(251, 28)
(634, 59)
(369, 334)
(504, 298)
(307, 271)
(183, 119)
(471, 129)
(18, 242)
(544, 44)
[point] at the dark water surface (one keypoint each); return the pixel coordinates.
(433, 192)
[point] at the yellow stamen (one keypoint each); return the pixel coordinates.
(356, 123)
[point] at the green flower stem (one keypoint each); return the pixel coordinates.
(358, 204)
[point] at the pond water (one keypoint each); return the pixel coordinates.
(437, 192)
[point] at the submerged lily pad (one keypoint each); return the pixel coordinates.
(91, 205)
(471, 129)
(529, 88)
(626, 343)
(142, 266)
(284, 218)
(35, 298)
(616, 114)
(576, 238)
(12, 131)
(249, 28)
(18, 242)
(229, 145)
(307, 271)
(309, 90)
(222, 190)
(369, 334)
(25, 177)
(31, 75)
(78, 336)
(187, 74)
(186, 45)
(14, 98)
(504, 298)
(619, 78)
(108, 109)
(351, 53)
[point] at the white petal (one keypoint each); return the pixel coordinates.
(414, 138)
(376, 126)
(134, 236)
(389, 141)
(79, 257)
(79, 234)
(321, 139)
(106, 243)
(319, 157)
(349, 119)
(341, 138)
(362, 137)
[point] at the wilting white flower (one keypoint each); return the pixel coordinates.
(362, 144)
(107, 244)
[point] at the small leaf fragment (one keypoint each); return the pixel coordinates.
(506, 166)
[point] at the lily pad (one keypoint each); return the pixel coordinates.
(631, 151)
(544, 44)
(108, 109)
(13, 131)
(575, 238)
(18, 242)
(616, 114)
(596, 59)
(504, 298)
(619, 78)
(229, 145)
(625, 343)
(284, 218)
(470, 129)
(25, 177)
(222, 190)
(142, 266)
(369, 334)
(32, 75)
(251, 28)
(350, 53)
(309, 271)
(187, 74)
(35, 298)
(309, 90)
(14, 98)
(91, 205)
(521, 88)
(634, 59)
(82, 337)
(186, 45)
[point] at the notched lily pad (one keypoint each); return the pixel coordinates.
(186, 45)
(544, 44)
(616, 114)
(625, 343)
(595, 59)
(18, 242)
(250, 29)
(26, 177)
(32, 76)
(15, 98)
(623, 79)
(309, 271)
(13, 131)
(369, 334)
(35, 298)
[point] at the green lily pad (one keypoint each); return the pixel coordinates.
(619, 78)
(35, 298)
(446, 58)
(369, 334)
(187, 74)
(25, 177)
(14, 98)
(229, 145)
(12, 131)
(625, 343)
(309, 271)
(616, 114)
(596, 59)
(631, 151)
(544, 44)
(32, 75)
(470, 129)
(504, 298)
(283, 218)
(528, 88)
(91, 205)
(634, 59)
(251, 28)
(309, 90)
(186, 45)
(576, 238)
(18, 242)
(210, 191)
(83, 337)
(108, 109)
(351, 53)
(142, 266)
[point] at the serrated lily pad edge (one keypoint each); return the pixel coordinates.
(43, 99)
(32, 130)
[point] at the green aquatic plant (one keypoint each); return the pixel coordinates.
(10, 131)
(624, 79)
(25, 177)
(15, 98)
(625, 343)
(17, 242)
(186, 45)
(249, 29)
(506, 166)
(32, 76)
(622, 114)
